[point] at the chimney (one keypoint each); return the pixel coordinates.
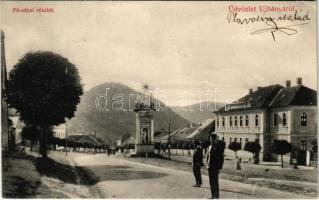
(299, 81)
(288, 83)
(250, 90)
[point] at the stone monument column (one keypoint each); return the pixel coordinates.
(144, 142)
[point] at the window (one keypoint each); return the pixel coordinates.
(303, 119)
(223, 138)
(235, 139)
(246, 140)
(223, 121)
(284, 119)
(275, 119)
(230, 121)
(235, 120)
(240, 120)
(240, 140)
(229, 139)
(256, 120)
(246, 120)
(217, 119)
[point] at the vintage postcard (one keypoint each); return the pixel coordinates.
(159, 99)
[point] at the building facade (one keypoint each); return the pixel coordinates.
(59, 131)
(272, 112)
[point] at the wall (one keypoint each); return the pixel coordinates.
(294, 132)
(250, 132)
(251, 128)
(280, 131)
(308, 132)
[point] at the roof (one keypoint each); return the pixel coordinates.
(165, 137)
(203, 130)
(182, 134)
(130, 140)
(160, 133)
(91, 139)
(297, 95)
(260, 98)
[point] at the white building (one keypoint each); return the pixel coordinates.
(59, 131)
(272, 112)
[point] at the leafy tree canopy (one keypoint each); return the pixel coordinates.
(235, 146)
(253, 147)
(281, 147)
(45, 88)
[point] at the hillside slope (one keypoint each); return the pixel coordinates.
(111, 124)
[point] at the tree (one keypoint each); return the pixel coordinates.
(314, 146)
(173, 145)
(281, 147)
(314, 149)
(185, 146)
(157, 146)
(254, 148)
(235, 146)
(45, 89)
(163, 146)
(30, 133)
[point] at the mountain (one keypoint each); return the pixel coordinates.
(107, 120)
(198, 112)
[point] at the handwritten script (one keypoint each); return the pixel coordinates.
(298, 18)
(275, 28)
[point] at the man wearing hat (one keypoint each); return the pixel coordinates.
(215, 161)
(197, 163)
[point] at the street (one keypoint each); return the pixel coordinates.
(120, 178)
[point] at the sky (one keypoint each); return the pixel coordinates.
(184, 49)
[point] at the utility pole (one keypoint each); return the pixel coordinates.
(169, 140)
(66, 125)
(66, 137)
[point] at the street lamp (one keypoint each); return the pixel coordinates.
(169, 140)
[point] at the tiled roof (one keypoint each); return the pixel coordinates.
(182, 134)
(204, 128)
(275, 96)
(257, 99)
(297, 95)
(160, 134)
(91, 139)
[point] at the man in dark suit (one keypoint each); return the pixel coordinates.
(197, 163)
(215, 161)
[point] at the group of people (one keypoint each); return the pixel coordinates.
(214, 163)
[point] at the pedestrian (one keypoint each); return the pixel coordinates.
(237, 165)
(197, 163)
(215, 161)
